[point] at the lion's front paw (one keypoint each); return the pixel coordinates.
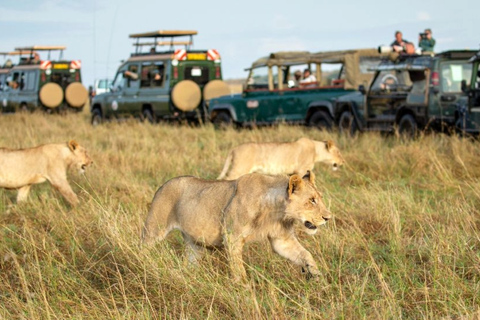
(311, 272)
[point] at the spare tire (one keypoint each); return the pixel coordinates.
(186, 95)
(76, 95)
(51, 95)
(215, 89)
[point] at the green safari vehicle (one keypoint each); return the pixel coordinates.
(50, 85)
(413, 92)
(275, 92)
(171, 84)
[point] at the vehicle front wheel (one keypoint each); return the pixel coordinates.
(407, 126)
(222, 120)
(321, 120)
(148, 115)
(346, 123)
(96, 117)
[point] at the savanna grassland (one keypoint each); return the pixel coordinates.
(404, 242)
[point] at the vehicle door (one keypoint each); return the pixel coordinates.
(154, 86)
(387, 92)
(13, 81)
(27, 95)
(262, 96)
(451, 74)
(123, 99)
(287, 104)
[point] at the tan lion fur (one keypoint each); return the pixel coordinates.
(230, 213)
(21, 168)
(280, 158)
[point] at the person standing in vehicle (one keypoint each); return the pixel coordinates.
(399, 44)
(426, 41)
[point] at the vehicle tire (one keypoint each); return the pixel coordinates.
(347, 124)
(222, 120)
(407, 126)
(148, 116)
(96, 117)
(321, 120)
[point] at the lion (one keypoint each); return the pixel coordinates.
(230, 213)
(280, 158)
(21, 168)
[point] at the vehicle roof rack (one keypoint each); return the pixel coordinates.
(164, 34)
(31, 50)
(40, 48)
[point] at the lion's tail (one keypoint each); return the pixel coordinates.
(228, 162)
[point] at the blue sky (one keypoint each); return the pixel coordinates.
(96, 31)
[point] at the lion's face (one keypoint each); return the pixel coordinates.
(81, 157)
(335, 157)
(305, 203)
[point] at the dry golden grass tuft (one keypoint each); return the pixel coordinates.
(404, 243)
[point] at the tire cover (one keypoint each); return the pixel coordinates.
(51, 95)
(76, 95)
(186, 95)
(215, 89)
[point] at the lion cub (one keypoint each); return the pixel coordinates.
(20, 169)
(232, 213)
(280, 158)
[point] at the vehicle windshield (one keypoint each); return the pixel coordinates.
(392, 80)
(119, 81)
(104, 84)
(452, 73)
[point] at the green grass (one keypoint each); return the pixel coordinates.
(404, 241)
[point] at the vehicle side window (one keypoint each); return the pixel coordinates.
(452, 73)
(2, 81)
(133, 72)
(30, 81)
(15, 81)
(152, 75)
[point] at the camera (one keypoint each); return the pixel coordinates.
(423, 35)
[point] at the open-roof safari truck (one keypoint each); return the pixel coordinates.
(33, 83)
(158, 83)
(408, 94)
(273, 94)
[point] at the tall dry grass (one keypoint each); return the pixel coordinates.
(404, 242)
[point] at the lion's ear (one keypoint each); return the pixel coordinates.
(295, 183)
(72, 144)
(310, 176)
(329, 144)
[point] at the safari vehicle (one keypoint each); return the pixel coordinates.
(43, 84)
(174, 84)
(5, 67)
(411, 93)
(271, 94)
(468, 120)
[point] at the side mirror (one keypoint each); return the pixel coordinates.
(464, 86)
(362, 89)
